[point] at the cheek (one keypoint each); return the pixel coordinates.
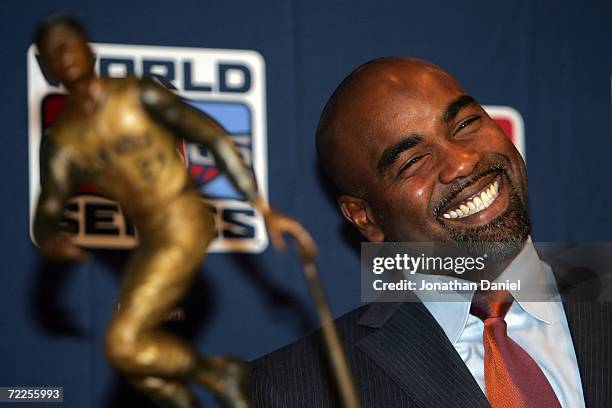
(55, 69)
(497, 142)
(411, 196)
(404, 210)
(496, 139)
(501, 144)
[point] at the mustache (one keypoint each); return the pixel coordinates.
(460, 184)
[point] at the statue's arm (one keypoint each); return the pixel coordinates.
(192, 125)
(189, 123)
(59, 177)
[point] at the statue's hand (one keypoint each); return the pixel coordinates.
(61, 248)
(279, 224)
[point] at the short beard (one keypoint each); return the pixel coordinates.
(502, 238)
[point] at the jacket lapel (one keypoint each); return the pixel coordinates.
(414, 351)
(590, 325)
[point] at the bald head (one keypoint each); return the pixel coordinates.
(362, 105)
(418, 159)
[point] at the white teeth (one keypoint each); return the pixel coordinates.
(478, 203)
(484, 197)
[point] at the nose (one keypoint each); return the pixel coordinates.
(459, 161)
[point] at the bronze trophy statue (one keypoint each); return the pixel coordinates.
(119, 135)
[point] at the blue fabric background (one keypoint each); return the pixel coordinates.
(551, 60)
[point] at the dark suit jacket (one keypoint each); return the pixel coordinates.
(400, 357)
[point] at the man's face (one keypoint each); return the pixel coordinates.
(67, 55)
(432, 165)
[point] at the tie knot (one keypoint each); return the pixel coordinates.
(490, 304)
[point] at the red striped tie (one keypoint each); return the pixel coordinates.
(512, 378)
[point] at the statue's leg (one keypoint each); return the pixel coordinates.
(157, 276)
(167, 393)
(226, 377)
(154, 282)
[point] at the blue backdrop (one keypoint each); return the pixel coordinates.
(551, 60)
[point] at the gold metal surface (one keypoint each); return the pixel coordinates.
(120, 135)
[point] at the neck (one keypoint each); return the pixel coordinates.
(87, 93)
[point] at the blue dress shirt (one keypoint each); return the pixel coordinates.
(540, 328)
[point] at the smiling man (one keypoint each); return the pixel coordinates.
(433, 166)
(416, 158)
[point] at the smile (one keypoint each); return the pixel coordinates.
(476, 203)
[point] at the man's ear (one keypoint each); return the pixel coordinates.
(358, 212)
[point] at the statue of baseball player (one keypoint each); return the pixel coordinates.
(120, 136)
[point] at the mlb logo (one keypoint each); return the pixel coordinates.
(226, 85)
(234, 118)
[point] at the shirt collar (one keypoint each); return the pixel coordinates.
(452, 315)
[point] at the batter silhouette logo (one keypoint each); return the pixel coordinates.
(227, 85)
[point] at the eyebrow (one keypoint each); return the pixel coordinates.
(392, 153)
(456, 106)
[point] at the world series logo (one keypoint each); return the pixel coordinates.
(228, 85)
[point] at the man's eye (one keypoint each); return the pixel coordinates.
(466, 123)
(409, 163)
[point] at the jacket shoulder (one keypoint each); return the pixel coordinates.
(298, 375)
(311, 345)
